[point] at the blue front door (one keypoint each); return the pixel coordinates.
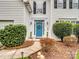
(39, 28)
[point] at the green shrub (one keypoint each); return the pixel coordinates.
(76, 30)
(2, 36)
(13, 35)
(62, 29)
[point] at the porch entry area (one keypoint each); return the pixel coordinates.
(39, 28)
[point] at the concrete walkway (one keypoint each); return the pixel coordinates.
(13, 54)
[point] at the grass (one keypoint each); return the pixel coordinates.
(24, 58)
(77, 55)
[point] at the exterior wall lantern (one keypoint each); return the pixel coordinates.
(28, 6)
(30, 35)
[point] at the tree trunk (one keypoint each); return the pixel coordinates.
(62, 39)
(78, 39)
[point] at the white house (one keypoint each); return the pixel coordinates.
(38, 15)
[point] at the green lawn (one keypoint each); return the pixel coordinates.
(77, 55)
(24, 58)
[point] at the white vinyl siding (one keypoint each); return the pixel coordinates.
(12, 10)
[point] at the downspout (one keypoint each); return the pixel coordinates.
(50, 33)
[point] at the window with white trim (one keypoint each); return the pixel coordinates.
(60, 4)
(75, 4)
(39, 8)
(70, 20)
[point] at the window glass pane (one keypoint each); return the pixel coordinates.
(78, 4)
(64, 4)
(59, 5)
(59, 1)
(77, 22)
(70, 4)
(39, 8)
(75, 1)
(75, 5)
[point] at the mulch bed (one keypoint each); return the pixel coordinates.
(25, 44)
(60, 51)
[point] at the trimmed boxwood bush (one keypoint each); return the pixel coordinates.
(62, 29)
(76, 30)
(13, 35)
(2, 35)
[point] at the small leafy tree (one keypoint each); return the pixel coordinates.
(62, 29)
